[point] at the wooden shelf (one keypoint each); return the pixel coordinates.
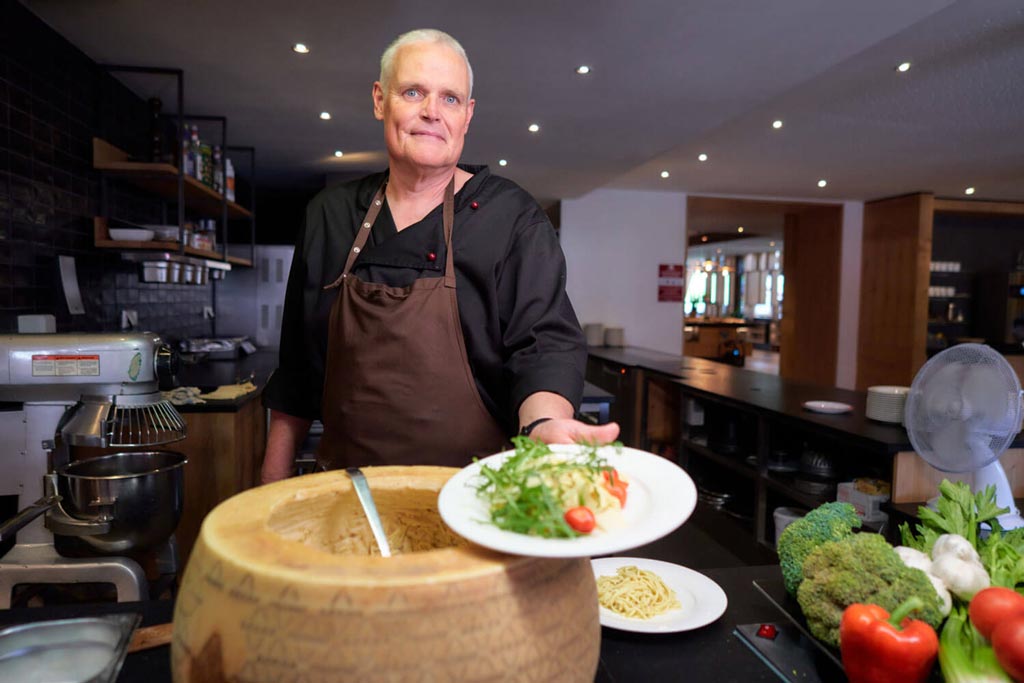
(101, 239)
(161, 180)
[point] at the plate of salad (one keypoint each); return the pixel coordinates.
(571, 500)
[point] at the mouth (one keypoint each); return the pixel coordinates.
(427, 134)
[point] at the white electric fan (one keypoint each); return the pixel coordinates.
(962, 412)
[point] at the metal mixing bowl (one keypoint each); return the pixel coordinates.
(139, 493)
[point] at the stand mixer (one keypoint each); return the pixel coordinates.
(87, 390)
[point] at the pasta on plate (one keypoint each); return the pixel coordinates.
(636, 593)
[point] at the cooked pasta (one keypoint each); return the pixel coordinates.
(636, 593)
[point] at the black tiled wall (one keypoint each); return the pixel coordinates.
(53, 101)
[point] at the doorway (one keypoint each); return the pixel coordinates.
(762, 285)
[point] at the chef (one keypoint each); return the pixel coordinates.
(426, 318)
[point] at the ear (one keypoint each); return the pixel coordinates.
(378, 101)
(469, 115)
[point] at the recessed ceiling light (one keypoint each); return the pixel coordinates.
(702, 157)
(338, 153)
(822, 183)
(533, 128)
(300, 48)
(502, 162)
(664, 174)
(583, 69)
(776, 124)
(739, 229)
(325, 115)
(969, 190)
(904, 67)
(703, 238)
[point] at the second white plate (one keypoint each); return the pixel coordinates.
(661, 496)
(830, 407)
(701, 600)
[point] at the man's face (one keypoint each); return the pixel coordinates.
(427, 110)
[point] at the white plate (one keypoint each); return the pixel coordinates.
(830, 407)
(661, 497)
(130, 235)
(702, 600)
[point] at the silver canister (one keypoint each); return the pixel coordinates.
(188, 274)
(154, 271)
(174, 271)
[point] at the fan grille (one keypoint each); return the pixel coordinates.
(964, 408)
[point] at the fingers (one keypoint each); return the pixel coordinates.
(573, 431)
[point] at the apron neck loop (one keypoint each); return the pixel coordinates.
(449, 224)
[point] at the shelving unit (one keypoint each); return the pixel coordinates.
(162, 181)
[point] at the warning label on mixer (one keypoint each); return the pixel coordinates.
(65, 365)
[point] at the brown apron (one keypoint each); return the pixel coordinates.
(398, 389)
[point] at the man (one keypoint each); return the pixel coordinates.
(426, 318)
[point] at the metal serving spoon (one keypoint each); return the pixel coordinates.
(366, 500)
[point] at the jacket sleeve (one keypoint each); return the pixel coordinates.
(545, 348)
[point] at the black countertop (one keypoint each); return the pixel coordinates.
(711, 653)
(768, 394)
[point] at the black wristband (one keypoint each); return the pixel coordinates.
(525, 431)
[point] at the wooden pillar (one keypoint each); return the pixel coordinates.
(895, 259)
(809, 328)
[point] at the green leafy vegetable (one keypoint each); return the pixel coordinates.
(519, 494)
(959, 511)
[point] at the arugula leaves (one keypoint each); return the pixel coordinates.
(518, 492)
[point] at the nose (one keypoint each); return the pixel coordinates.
(429, 110)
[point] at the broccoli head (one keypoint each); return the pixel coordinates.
(862, 568)
(828, 522)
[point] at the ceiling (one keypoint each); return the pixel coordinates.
(670, 79)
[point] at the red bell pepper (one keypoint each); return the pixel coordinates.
(881, 648)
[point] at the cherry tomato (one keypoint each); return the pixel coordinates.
(581, 519)
(1008, 643)
(992, 606)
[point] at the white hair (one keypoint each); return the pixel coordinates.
(420, 35)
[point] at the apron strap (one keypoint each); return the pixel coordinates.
(362, 235)
(449, 225)
(371, 218)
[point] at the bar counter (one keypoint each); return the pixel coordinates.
(766, 394)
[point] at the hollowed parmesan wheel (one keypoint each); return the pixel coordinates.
(285, 584)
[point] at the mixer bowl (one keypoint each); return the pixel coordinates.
(138, 493)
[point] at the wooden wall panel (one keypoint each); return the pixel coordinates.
(895, 257)
(225, 451)
(914, 480)
(810, 311)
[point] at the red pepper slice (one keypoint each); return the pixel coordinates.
(876, 649)
(615, 485)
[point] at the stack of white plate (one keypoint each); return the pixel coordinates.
(885, 403)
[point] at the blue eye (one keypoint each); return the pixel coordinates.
(451, 99)
(412, 92)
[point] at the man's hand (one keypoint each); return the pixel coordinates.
(560, 430)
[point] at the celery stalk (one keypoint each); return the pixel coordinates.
(964, 654)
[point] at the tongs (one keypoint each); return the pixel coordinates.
(366, 500)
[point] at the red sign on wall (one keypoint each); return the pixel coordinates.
(671, 279)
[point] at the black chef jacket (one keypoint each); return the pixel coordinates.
(521, 332)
